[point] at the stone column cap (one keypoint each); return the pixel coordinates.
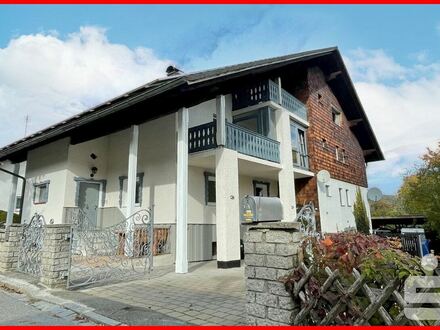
(286, 226)
(58, 225)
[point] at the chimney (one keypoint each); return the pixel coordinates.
(173, 71)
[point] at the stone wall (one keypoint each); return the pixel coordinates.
(55, 255)
(9, 247)
(271, 251)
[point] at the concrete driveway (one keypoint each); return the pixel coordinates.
(204, 296)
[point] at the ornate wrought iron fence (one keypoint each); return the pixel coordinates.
(121, 251)
(306, 216)
(31, 244)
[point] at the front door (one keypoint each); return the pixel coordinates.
(88, 200)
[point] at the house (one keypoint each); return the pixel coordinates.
(194, 144)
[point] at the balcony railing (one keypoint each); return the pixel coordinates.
(247, 142)
(268, 91)
(250, 143)
(202, 137)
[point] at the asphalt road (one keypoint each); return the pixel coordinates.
(16, 309)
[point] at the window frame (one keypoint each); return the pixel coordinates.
(347, 196)
(343, 156)
(341, 199)
(261, 115)
(265, 183)
(37, 186)
(139, 189)
(336, 115)
(209, 176)
(327, 190)
(18, 202)
(300, 145)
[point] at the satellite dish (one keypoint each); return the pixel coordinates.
(374, 194)
(323, 176)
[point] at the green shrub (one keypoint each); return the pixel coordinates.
(360, 214)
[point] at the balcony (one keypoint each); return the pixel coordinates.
(268, 91)
(203, 137)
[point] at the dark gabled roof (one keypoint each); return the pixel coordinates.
(163, 96)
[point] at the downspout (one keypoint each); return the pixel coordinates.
(22, 189)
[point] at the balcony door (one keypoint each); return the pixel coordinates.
(88, 200)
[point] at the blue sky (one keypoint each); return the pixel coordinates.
(58, 60)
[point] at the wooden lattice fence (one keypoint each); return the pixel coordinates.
(341, 302)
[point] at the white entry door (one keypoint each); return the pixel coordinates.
(88, 200)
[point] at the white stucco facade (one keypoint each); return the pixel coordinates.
(336, 199)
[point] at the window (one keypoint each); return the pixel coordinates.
(324, 143)
(336, 116)
(41, 192)
(337, 153)
(257, 121)
(327, 190)
(299, 146)
(343, 156)
(18, 203)
(123, 183)
(347, 195)
(209, 188)
(341, 197)
(261, 188)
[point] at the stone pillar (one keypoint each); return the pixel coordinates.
(271, 252)
(55, 255)
(10, 238)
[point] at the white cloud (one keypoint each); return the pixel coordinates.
(50, 78)
(404, 114)
(373, 65)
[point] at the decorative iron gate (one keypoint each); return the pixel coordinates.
(113, 253)
(31, 244)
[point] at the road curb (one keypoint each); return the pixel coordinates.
(38, 293)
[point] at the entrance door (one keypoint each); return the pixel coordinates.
(88, 200)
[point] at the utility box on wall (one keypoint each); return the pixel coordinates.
(259, 209)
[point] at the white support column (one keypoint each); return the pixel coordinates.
(227, 208)
(131, 187)
(12, 196)
(182, 192)
(221, 120)
(280, 91)
(286, 178)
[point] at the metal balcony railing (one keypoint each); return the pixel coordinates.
(265, 91)
(247, 142)
(250, 143)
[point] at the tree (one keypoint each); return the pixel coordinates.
(360, 214)
(420, 191)
(388, 206)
